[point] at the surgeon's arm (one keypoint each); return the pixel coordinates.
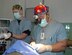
(69, 43)
(23, 35)
(57, 47)
(61, 40)
(60, 46)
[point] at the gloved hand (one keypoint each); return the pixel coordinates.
(33, 44)
(5, 35)
(43, 48)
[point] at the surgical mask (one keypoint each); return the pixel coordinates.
(17, 15)
(43, 23)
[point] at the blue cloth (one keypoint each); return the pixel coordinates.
(16, 28)
(21, 47)
(53, 33)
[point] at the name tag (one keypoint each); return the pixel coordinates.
(42, 35)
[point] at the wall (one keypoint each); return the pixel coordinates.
(32, 3)
(1, 8)
(60, 10)
(6, 7)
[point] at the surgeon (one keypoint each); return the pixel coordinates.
(50, 37)
(20, 29)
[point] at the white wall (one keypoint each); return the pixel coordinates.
(32, 3)
(6, 7)
(1, 8)
(60, 10)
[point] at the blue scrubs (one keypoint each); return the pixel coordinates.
(20, 28)
(53, 33)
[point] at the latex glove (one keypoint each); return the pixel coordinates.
(33, 44)
(43, 48)
(5, 35)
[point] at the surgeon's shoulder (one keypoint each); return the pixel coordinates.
(57, 24)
